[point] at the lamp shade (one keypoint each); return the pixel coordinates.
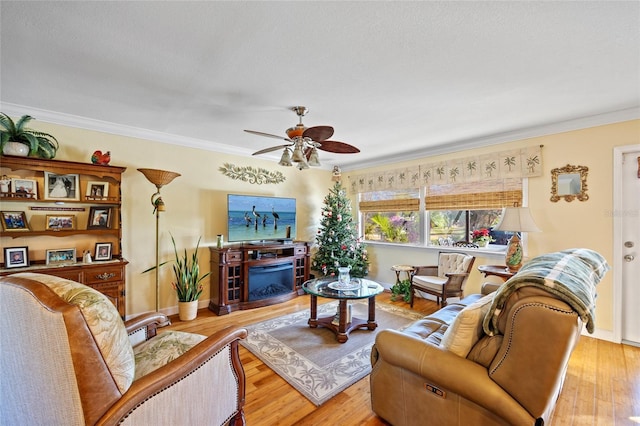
(313, 158)
(285, 160)
(517, 219)
(159, 177)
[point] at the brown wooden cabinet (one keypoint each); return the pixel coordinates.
(40, 208)
(236, 268)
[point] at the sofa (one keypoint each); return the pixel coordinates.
(490, 359)
(68, 358)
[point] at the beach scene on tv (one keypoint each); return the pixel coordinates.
(256, 218)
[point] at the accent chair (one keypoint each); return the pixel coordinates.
(446, 279)
(68, 358)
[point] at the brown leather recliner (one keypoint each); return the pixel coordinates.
(68, 358)
(447, 369)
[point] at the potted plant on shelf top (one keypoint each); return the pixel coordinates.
(17, 139)
(481, 237)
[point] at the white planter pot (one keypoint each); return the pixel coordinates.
(15, 148)
(188, 311)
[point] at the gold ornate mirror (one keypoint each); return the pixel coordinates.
(569, 182)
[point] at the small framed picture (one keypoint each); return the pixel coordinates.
(5, 181)
(16, 257)
(14, 221)
(103, 251)
(99, 218)
(61, 187)
(59, 222)
(97, 190)
(60, 256)
(24, 188)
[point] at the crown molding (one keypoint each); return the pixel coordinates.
(120, 130)
(511, 136)
(455, 146)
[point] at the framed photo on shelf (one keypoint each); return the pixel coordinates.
(58, 222)
(97, 190)
(61, 187)
(103, 251)
(100, 218)
(61, 256)
(16, 257)
(14, 221)
(24, 188)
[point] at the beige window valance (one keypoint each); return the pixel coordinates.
(520, 163)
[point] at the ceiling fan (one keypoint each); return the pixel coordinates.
(304, 143)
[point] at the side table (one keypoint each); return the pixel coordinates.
(399, 269)
(497, 270)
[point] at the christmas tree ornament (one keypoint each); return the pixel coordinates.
(337, 238)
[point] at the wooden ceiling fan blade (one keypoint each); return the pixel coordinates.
(338, 147)
(318, 133)
(269, 135)
(273, 148)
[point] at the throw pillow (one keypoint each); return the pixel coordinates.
(466, 329)
(104, 322)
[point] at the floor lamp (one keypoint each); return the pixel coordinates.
(515, 219)
(159, 178)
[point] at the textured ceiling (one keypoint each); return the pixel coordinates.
(396, 79)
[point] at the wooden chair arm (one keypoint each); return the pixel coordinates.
(164, 378)
(425, 270)
(455, 281)
(148, 323)
(456, 274)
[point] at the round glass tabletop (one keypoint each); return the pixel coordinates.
(359, 288)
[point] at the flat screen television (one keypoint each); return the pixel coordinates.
(258, 218)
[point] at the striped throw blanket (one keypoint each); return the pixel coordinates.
(571, 275)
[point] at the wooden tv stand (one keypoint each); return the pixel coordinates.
(230, 265)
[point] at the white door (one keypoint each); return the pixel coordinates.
(630, 247)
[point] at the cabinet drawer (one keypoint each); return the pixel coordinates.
(103, 275)
(300, 250)
(73, 275)
(234, 256)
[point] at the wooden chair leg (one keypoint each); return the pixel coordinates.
(411, 291)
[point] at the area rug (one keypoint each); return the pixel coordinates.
(311, 359)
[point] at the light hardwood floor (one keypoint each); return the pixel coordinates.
(602, 385)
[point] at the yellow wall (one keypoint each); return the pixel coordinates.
(564, 224)
(196, 203)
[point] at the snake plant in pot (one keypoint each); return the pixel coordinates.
(187, 280)
(17, 139)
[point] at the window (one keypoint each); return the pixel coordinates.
(391, 216)
(449, 226)
(456, 210)
(446, 214)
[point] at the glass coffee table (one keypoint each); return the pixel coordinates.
(358, 288)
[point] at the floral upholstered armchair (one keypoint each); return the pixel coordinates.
(68, 358)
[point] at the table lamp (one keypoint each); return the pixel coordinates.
(159, 178)
(515, 219)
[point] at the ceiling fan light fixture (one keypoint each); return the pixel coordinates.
(285, 160)
(296, 132)
(298, 154)
(303, 143)
(314, 161)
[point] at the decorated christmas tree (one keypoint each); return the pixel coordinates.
(337, 238)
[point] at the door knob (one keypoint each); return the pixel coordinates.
(628, 258)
